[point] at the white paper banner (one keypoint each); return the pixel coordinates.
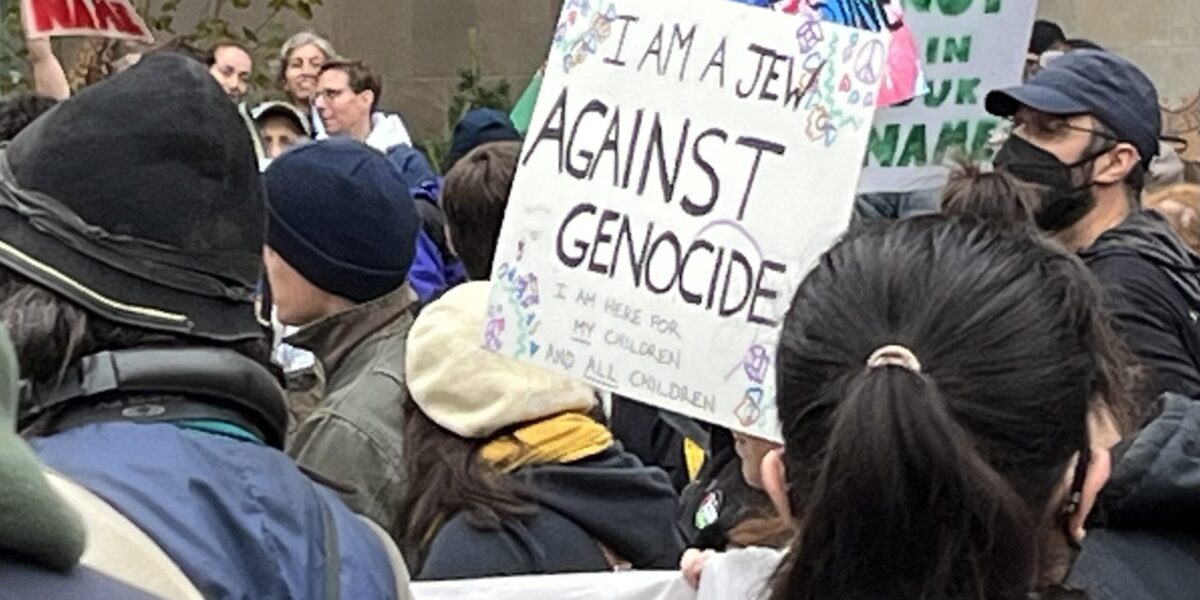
(740, 574)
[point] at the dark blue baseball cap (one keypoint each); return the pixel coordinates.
(1093, 82)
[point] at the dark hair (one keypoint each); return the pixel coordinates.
(934, 483)
(210, 57)
(474, 200)
(989, 195)
(362, 78)
(1081, 44)
(446, 478)
(19, 110)
(50, 333)
(1045, 35)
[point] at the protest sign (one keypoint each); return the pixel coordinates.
(970, 47)
(686, 165)
(95, 18)
(903, 78)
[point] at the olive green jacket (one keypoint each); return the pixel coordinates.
(347, 410)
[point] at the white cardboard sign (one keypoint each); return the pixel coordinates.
(96, 18)
(686, 164)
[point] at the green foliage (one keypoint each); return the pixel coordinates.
(263, 38)
(13, 62)
(471, 92)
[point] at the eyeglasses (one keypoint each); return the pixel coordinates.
(1096, 132)
(1064, 125)
(331, 95)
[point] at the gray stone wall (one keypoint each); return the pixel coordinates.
(1161, 36)
(419, 44)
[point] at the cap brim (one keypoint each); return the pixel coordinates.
(1006, 102)
(281, 110)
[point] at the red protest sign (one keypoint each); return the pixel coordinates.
(95, 18)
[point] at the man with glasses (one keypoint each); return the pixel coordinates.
(1086, 129)
(348, 94)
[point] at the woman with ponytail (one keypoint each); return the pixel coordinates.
(936, 383)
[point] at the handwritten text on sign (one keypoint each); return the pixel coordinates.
(970, 47)
(100, 18)
(687, 163)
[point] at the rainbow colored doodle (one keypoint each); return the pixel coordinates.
(582, 29)
(523, 299)
(756, 366)
(850, 76)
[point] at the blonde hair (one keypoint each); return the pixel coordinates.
(1188, 196)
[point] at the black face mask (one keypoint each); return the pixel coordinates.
(1064, 202)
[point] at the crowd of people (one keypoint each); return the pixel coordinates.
(242, 361)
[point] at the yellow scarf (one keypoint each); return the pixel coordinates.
(560, 439)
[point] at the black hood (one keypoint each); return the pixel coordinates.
(628, 507)
(1156, 476)
(140, 199)
(1148, 235)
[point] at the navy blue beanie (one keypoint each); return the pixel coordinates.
(340, 214)
(478, 127)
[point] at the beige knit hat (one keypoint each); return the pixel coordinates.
(469, 390)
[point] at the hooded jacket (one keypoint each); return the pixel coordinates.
(609, 499)
(1151, 282)
(159, 225)
(435, 268)
(587, 494)
(1143, 539)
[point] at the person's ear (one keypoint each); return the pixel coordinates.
(1102, 425)
(368, 98)
(1115, 165)
(774, 478)
(1098, 472)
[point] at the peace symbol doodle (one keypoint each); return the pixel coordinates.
(869, 64)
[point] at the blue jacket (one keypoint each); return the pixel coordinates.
(239, 518)
(435, 268)
(23, 581)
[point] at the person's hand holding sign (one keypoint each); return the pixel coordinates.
(49, 79)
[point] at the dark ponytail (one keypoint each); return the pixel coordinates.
(917, 485)
(933, 480)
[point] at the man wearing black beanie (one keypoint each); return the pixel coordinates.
(341, 238)
(132, 220)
